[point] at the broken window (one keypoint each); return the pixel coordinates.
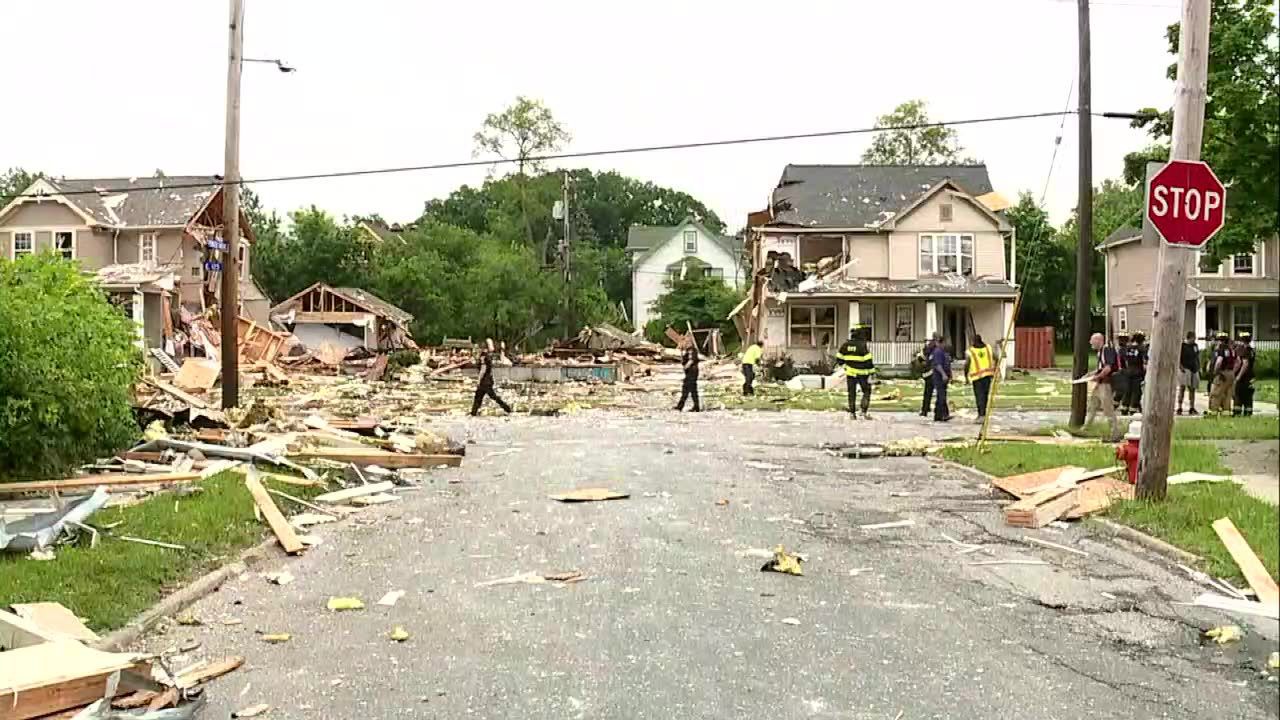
(24, 243)
(147, 248)
(64, 244)
(813, 326)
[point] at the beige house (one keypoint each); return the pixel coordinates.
(1240, 294)
(156, 228)
(908, 250)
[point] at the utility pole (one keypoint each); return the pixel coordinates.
(564, 241)
(1171, 274)
(228, 306)
(1084, 213)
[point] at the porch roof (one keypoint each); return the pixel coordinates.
(938, 287)
(1220, 287)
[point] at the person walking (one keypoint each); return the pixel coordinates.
(922, 364)
(484, 388)
(1134, 361)
(1189, 372)
(689, 361)
(1106, 368)
(855, 356)
(1223, 369)
(979, 371)
(750, 359)
(940, 363)
(1120, 381)
(1245, 360)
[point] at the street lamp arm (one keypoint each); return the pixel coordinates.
(277, 62)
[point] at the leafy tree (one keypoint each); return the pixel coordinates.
(69, 366)
(1242, 120)
(521, 132)
(14, 181)
(1115, 205)
(1045, 264)
(910, 144)
(700, 301)
(316, 248)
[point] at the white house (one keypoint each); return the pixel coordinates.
(659, 253)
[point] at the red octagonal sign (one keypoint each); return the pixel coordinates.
(1186, 203)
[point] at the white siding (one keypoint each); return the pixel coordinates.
(648, 279)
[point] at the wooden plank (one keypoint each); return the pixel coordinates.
(185, 397)
(91, 481)
(197, 374)
(381, 458)
(53, 676)
(209, 672)
(1046, 513)
(1023, 485)
(1098, 494)
(55, 619)
(1031, 502)
(342, 318)
(341, 496)
(1264, 586)
(1246, 607)
(275, 519)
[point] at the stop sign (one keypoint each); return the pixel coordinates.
(1186, 203)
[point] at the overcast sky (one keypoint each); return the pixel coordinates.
(125, 87)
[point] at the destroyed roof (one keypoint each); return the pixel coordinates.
(862, 195)
(381, 231)
(138, 274)
(374, 303)
(1119, 236)
(140, 202)
(950, 284)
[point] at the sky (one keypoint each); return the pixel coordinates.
(123, 88)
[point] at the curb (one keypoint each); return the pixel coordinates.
(182, 598)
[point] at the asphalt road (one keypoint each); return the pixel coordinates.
(675, 618)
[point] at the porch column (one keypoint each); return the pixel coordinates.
(855, 317)
(930, 318)
(1010, 348)
(1202, 325)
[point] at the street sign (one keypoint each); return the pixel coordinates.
(1186, 203)
(217, 244)
(212, 265)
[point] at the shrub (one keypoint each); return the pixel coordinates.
(67, 364)
(401, 359)
(703, 302)
(781, 368)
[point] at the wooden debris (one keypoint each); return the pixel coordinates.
(1235, 605)
(382, 458)
(136, 700)
(209, 672)
(589, 495)
(197, 374)
(341, 496)
(168, 698)
(391, 598)
(1021, 486)
(178, 393)
(275, 519)
(1008, 562)
(302, 502)
(1097, 495)
(93, 481)
(888, 525)
(375, 499)
(1255, 573)
(1054, 545)
(55, 619)
(156, 543)
(251, 711)
(1042, 508)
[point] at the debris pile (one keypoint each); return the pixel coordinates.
(1062, 492)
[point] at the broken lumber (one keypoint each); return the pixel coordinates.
(1054, 545)
(1097, 495)
(93, 481)
(209, 672)
(1255, 573)
(197, 374)
(275, 519)
(341, 496)
(55, 619)
(589, 495)
(185, 397)
(1042, 508)
(1027, 484)
(371, 456)
(1246, 607)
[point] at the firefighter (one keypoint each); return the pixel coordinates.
(689, 360)
(485, 387)
(1222, 369)
(979, 369)
(1134, 359)
(1245, 359)
(855, 356)
(922, 364)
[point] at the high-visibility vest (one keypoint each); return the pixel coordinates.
(857, 359)
(752, 355)
(980, 362)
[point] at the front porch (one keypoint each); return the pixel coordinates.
(809, 328)
(1258, 316)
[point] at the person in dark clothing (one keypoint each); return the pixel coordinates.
(1189, 371)
(1120, 381)
(1245, 360)
(923, 364)
(856, 358)
(1134, 359)
(485, 387)
(689, 390)
(940, 362)
(1222, 368)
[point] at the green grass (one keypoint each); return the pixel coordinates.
(1185, 519)
(1012, 458)
(1266, 391)
(1018, 393)
(110, 584)
(1197, 428)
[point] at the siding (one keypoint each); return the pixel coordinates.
(648, 280)
(50, 214)
(1139, 317)
(904, 243)
(872, 253)
(94, 248)
(904, 260)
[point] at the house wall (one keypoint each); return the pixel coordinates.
(313, 335)
(41, 218)
(872, 253)
(648, 279)
(153, 320)
(904, 243)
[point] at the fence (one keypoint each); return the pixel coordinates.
(894, 353)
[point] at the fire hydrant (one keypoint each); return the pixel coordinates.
(1128, 450)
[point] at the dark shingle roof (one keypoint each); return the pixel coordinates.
(1119, 235)
(137, 202)
(375, 303)
(643, 237)
(860, 195)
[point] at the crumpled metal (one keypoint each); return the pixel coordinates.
(40, 531)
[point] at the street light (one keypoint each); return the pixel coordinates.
(277, 62)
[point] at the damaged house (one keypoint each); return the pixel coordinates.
(146, 239)
(908, 250)
(332, 321)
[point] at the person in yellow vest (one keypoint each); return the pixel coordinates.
(855, 356)
(979, 369)
(750, 359)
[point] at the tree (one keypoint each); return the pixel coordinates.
(1115, 205)
(700, 301)
(1045, 265)
(1242, 120)
(520, 133)
(316, 248)
(14, 181)
(907, 143)
(68, 371)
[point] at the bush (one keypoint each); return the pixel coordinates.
(703, 302)
(67, 365)
(401, 359)
(1268, 367)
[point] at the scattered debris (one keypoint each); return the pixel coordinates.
(40, 531)
(1236, 605)
(208, 672)
(1055, 546)
(343, 496)
(375, 499)
(1009, 562)
(756, 465)
(197, 374)
(783, 562)
(910, 446)
(1255, 573)
(535, 578)
(345, 603)
(251, 711)
(855, 572)
(55, 619)
(399, 634)
(391, 598)
(276, 638)
(790, 621)
(156, 543)
(1224, 634)
(888, 525)
(275, 519)
(589, 495)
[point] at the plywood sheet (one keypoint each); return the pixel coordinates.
(1021, 486)
(197, 374)
(1097, 495)
(55, 619)
(1254, 571)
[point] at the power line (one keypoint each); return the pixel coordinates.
(1057, 141)
(574, 155)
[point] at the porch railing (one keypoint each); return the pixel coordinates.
(894, 352)
(1266, 345)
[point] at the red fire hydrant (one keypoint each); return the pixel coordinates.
(1128, 450)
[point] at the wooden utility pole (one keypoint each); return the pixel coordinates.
(1084, 214)
(228, 306)
(1171, 273)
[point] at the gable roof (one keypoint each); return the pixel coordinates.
(140, 202)
(383, 232)
(1120, 236)
(357, 296)
(644, 240)
(857, 196)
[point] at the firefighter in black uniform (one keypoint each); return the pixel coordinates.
(1245, 358)
(485, 387)
(1134, 360)
(855, 356)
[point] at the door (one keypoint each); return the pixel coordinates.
(1213, 318)
(955, 328)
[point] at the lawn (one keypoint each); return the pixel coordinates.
(1195, 428)
(110, 584)
(1266, 391)
(1018, 393)
(1014, 458)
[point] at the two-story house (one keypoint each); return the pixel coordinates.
(908, 250)
(143, 237)
(662, 253)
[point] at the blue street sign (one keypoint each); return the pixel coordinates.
(217, 244)
(212, 265)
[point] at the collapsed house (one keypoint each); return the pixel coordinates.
(331, 321)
